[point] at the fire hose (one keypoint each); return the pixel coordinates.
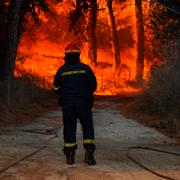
(145, 167)
(52, 131)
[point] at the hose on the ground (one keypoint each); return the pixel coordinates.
(52, 131)
(145, 167)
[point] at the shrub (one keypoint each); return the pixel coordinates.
(162, 94)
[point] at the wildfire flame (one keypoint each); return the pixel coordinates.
(41, 48)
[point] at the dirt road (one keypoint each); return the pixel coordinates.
(114, 134)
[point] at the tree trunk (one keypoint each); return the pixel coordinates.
(3, 25)
(114, 34)
(92, 32)
(12, 37)
(140, 41)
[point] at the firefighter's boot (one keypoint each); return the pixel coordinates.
(70, 157)
(89, 157)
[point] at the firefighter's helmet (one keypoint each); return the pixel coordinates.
(72, 48)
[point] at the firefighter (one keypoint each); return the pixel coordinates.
(75, 83)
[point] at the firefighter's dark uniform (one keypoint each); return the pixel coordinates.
(76, 84)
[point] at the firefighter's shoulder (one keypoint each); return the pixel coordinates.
(61, 69)
(85, 66)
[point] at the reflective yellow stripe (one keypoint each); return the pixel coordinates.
(72, 51)
(73, 72)
(69, 144)
(88, 141)
(56, 88)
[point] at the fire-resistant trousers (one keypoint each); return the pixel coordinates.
(71, 112)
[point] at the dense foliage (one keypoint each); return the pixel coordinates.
(162, 27)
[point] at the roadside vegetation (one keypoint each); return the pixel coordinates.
(22, 101)
(159, 104)
(161, 94)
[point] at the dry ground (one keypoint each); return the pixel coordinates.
(114, 134)
(22, 114)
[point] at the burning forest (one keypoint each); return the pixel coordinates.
(106, 31)
(117, 39)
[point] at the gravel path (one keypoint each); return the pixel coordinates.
(114, 134)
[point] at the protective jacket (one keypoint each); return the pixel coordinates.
(74, 82)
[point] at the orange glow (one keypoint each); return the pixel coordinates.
(41, 49)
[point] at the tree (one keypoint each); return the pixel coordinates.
(3, 24)
(162, 27)
(16, 12)
(92, 31)
(140, 41)
(114, 34)
(77, 13)
(11, 40)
